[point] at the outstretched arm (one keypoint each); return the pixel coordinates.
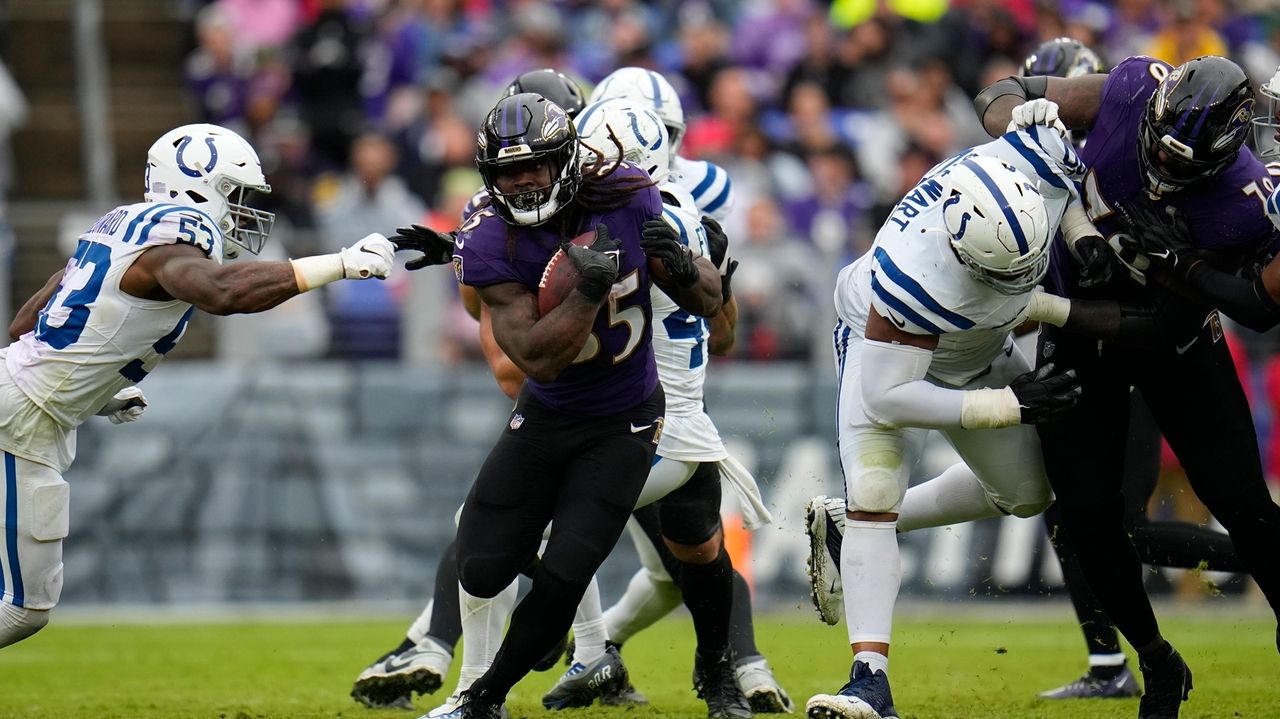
(1078, 100)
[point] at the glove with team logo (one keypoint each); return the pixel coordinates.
(126, 406)
(436, 247)
(1036, 112)
(370, 257)
(1098, 263)
(661, 241)
(598, 269)
(1044, 395)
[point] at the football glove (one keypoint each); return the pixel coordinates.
(1044, 395)
(1098, 263)
(370, 257)
(1164, 266)
(730, 267)
(1036, 112)
(436, 247)
(598, 268)
(717, 241)
(661, 241)
(126, 406)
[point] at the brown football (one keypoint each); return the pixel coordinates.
(560, 275)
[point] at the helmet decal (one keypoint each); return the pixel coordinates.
(213, 157)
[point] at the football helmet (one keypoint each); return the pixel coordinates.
(1194, 124)
(998, 224)
(553, 85)
(529, 128)
(641, 133)
(1266, 125)
(1062, 57)
(651, 88)
(214, 170)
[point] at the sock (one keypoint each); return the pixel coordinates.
(420, 627)
(708, 593)
(444, 624)
(875, 661)
(742, 633)
(589, 630)
(871, 571)
(952, 497)
(1106, 666)
(483, 622)
(646, 601)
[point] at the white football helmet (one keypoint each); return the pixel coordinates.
(1266, 126)
(998, 224)
(214, 170)
(641, 133)
(651, 88)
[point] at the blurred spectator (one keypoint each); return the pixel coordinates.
(1133, 25)
(833, 215)
(436, 140)
(1187, 36)
(328, 63)
(218, 72)
(704, 48)
(820, 66)
(262, 24)
(368, 198)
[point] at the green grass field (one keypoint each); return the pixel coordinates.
(941, 668)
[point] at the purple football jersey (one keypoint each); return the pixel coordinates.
(616, 368)
(1225, 213)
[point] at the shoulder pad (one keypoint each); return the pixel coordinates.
(167, 224)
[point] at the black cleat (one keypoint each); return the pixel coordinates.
(1168, 684)
(717, 684)
(476, 706)
(582, 684)
(1092, 686)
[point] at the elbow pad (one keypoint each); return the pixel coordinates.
(1027, 88)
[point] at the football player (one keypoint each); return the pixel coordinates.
(585, 427)
(922, 341)
(1167, 172)
(101, 324)
(651, 594)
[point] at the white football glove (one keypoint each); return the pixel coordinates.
(370, 257)
(1036, 112)
(126, 406)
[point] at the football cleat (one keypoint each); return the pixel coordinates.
(475, 706)
(824, 524)
(866, 696)
(1167, 684)
(716, 684)
(404, 701)
(452, 709)
(420, 669)
(1092, 686)
(582, 684)
(761, 688)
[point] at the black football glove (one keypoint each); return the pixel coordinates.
(660, 240)
(725, 292)
(1098, 263)
(1163, 266)
(597, 268)
(436, 247)
(717, 240)
(1045, 395)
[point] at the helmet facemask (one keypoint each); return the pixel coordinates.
(523, 131)
(1266, 125)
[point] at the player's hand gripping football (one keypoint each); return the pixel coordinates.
(1044, 395)
(1036, 112)
(598, 269)
(370, 257)
(661, 241)
(126, 406)
(436, 247)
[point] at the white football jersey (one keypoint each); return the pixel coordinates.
(708, 183)
(92, 339)
(912, 276)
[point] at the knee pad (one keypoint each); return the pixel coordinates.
(1029, 508)
(877, 483)
(18, 623)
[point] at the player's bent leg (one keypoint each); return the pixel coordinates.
(30, 545)
(18, 623)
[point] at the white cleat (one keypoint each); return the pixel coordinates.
(761, 688)
(420, 669)
(824, 525)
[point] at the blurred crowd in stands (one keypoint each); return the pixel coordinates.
(824, 113)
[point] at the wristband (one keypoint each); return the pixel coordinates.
(313, 272)
(1050, 309)
(990, 409)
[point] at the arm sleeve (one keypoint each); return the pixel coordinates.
(895, 393)
(1245, 301)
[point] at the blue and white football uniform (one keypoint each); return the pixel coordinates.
(708, 183)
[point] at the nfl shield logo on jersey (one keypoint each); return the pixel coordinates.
(516, 421)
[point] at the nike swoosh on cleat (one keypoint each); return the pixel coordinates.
(393, 666)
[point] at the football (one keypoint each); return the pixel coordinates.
(560, 275)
